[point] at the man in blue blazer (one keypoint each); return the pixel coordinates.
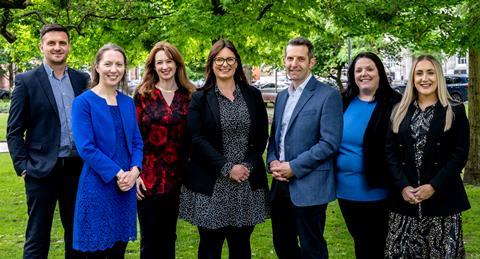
(40, 141)
(306, 132)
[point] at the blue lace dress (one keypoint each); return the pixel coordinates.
(104, 214)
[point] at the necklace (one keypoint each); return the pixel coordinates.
(165, 90)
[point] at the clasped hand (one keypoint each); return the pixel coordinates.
(126, 180)
(417, 195)
(281, 171)
(239, 173)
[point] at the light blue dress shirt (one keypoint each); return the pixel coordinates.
(293, 97)
(64, 95)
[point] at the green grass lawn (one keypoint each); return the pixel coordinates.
(13, 215)
(3, 126)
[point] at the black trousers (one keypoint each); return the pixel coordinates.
(367, 223)
(238, 240)
(42, 196)
(158, 226)
(115, 252)
(291, 223)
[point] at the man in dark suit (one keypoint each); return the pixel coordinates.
(306, 132)
(40, 141)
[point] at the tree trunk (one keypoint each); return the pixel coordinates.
(472, 169)
(338, 78)
(11, 76)
(247, 69)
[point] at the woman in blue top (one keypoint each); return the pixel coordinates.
(361, 166)
(108, 139)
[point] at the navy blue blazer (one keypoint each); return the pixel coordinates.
(33, 128)
(313, 136)
(94, 133)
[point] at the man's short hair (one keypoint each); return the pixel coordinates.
(52, 27)
(300, 41)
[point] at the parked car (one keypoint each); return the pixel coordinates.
(4, 94)
(198, 83)
(457, 86)
(270, 91)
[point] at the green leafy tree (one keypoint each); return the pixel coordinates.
(447, 26)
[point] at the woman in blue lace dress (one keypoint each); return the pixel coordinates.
(108, 139)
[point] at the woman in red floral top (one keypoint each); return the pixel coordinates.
(162, 102)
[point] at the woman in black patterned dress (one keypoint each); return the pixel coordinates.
(426, 151)
(225, 187)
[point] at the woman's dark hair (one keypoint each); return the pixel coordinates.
(210, 79)
(384, 90)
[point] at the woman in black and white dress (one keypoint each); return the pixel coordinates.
(225, 187)
(427, 149)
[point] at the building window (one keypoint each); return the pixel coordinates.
(461, 59)
(389, 63)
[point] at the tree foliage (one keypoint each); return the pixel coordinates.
(258, 28)
(447, 26)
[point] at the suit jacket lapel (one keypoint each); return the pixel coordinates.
(47, 88)
(406, 131)
(436, 127)
(279, 108)
(250, 105)
(213, 105)
(306, 95)
(76, 82)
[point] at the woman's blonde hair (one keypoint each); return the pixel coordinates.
(411, 95)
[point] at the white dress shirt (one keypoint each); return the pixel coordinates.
(293, 97)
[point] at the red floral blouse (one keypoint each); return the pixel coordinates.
(165, 151)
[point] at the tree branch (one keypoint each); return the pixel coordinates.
(7, 18)
(122, 18)
(16, 4)
(218, 8)
(264, 10)
(37, 13)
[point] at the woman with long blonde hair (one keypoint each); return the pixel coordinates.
(427, 148)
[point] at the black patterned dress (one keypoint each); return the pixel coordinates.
(423, 236)
(231, 204)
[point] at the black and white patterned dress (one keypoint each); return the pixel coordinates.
(232, 203)
(423, 236)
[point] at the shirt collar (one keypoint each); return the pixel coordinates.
(49, 70)
(300, 88)
(428, 108)
(235, 91)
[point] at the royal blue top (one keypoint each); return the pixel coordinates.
(351, 182)
(104, 214)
